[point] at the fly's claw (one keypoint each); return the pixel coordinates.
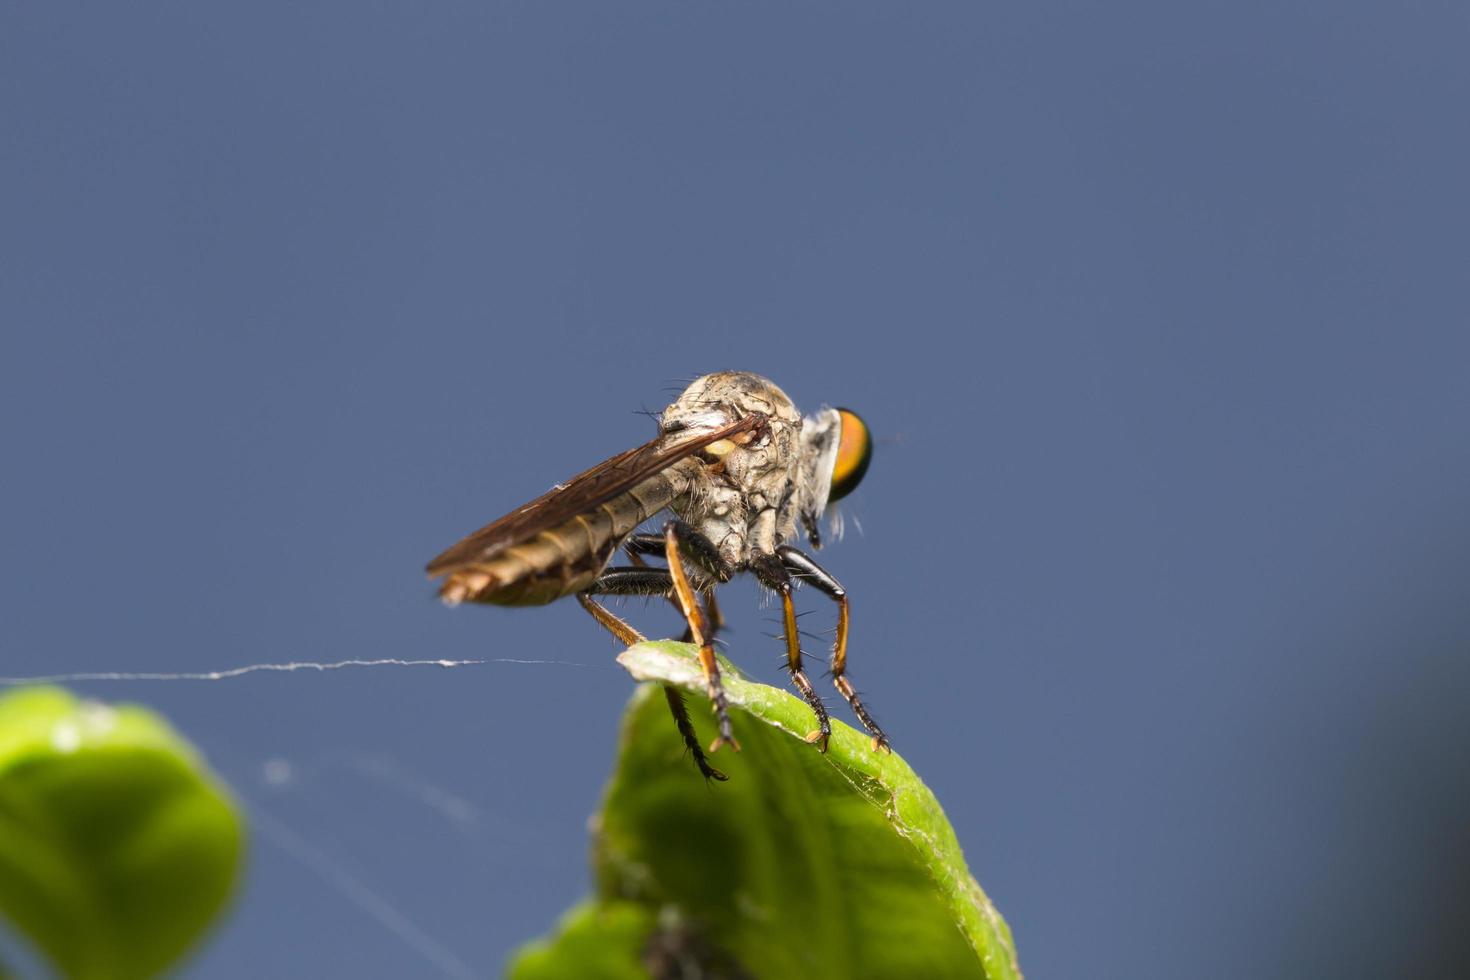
(726, 735)
(723, 740)
(880, 743)
(819, 739)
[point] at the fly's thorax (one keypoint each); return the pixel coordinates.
(728, 395)
(741, 499)
(719, 512)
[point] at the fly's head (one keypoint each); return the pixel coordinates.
(836, 448)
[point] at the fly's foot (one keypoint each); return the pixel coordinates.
(708, 771)
(722, 720)
(844, 687)
(824, 726)
(686, 732)
(723, 740)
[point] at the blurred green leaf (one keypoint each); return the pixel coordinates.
(594, 939)
(117, 846)
(802, 865)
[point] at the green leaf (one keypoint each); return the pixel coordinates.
(117, 846)
(801, 865)
(601, 940)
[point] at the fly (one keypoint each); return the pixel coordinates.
(744, 475)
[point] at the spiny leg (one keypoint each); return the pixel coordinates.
(806, 568)
(643, 544)
(692, 545)
(698, 549)
(712, 610)
(638, 546)
(675, 698)
(699, 631)
(625, 634)
(774, 576)
(622, 584)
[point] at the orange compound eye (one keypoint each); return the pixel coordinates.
(854, 453)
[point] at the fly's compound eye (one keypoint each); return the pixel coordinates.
(854, 453)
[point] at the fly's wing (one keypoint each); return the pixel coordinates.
(584, 492)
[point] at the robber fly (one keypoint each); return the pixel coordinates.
(741, 471)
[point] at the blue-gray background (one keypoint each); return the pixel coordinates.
(1159, 312)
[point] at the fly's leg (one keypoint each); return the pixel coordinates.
(626, 634)
(712, 611)
(643, 544)
(653, 544)
(806, 569)
(693, 546)
(676, 534)
(675, 698)
(646, 581)
(774, 576)
(698, 549)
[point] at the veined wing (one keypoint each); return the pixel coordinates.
(583, 492)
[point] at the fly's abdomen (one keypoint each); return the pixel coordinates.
(564, 559)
